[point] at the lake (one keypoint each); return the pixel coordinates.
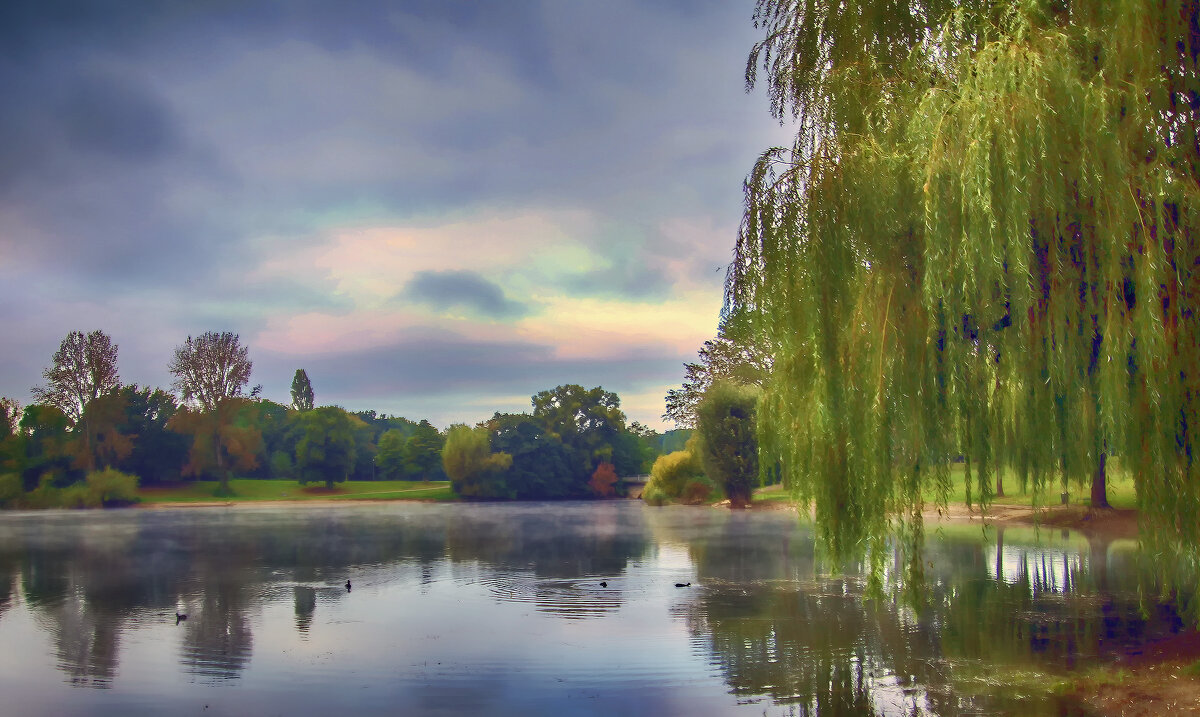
(535, 609)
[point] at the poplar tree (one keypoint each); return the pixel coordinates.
(302, 391)
(982, 241)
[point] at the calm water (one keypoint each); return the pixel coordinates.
(498, 609)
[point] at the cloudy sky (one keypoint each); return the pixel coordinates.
(436, 208)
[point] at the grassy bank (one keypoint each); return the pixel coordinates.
(259, 490)
(1120, 492)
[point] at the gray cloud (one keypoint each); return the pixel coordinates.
(462, 290)
(154, 155)
(110, 115)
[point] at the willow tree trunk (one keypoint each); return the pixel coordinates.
(1100, 484)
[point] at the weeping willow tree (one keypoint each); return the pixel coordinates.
(982, 242)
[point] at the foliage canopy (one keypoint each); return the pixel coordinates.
(981, 242)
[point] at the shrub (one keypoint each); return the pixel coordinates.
(10, 489)
(111, 487)
(677, 477)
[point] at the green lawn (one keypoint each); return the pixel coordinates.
(246, 489)
(1120, 492)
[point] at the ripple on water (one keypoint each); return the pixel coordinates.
(570, 598)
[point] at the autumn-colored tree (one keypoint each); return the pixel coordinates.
(99, 441)
(678, 477)
(603, 481)
(224, 438)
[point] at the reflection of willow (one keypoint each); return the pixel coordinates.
(777, 630)
(809, 649)
(1049, 607)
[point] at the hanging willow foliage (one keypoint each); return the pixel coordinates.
(982, 242)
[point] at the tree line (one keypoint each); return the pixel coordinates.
(89, 439)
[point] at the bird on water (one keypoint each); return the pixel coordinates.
(347, 586)
(683, 585)
(603, 584)
(179, 617)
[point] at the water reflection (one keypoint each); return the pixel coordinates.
(545, 608)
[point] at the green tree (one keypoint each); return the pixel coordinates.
(302, 391)
(11, 446)
(326, 450)
(728, 445)
(158, 453)
(474, 471)
(541, 464)
(83, 369)
(280, 432)
(45, 450)
(587, 421)
(734, 355)
(423, 453)
(982, 241)
(390, 457)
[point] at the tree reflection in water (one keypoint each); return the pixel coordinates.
(988, 608)
(760, 611)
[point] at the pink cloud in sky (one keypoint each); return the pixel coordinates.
(371, 264)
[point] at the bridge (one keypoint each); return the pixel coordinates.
(634, 485)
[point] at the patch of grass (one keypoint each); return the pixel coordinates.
(1121, 492)
(248, 489)
(772, 494)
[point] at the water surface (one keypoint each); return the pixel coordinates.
(499, 609)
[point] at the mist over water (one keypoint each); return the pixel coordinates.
(500, 609)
